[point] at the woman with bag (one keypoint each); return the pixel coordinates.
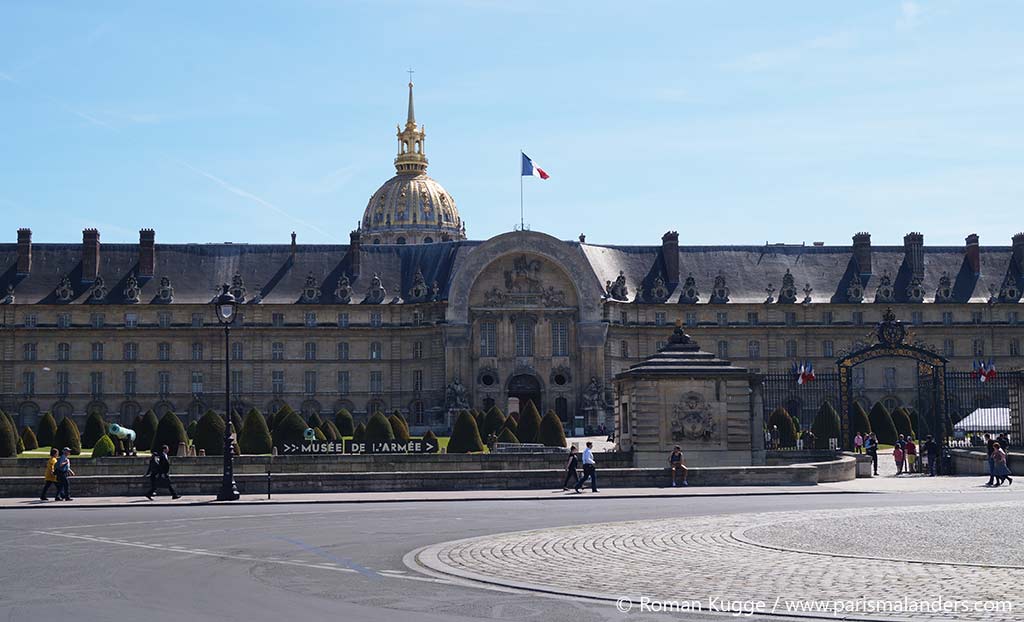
(1002, 470)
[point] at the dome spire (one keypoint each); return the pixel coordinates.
(411, 158)
(411, 118)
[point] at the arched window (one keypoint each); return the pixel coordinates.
(428, 240)
(400, 240)
(376, 240)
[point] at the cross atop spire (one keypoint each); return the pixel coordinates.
(411, 159)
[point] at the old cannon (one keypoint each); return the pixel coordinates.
(124, 439)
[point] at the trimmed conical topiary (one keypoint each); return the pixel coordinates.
(787, 431)
(145, 432)
(314, 421)
(255, 435)
(67, 436)
(494, 420)
(529, 423)
(429, 437)
(826, 426)
(236, 423)
(465, 435)
(289, 431)
(399, 428)
(859, 421)
(882, 425)
(210, 434)
(169, 432)
(319, 434)
(45, 430)
(344, 422)
(901, 419)
(190, 431)
(283, 413)
(551, 432)
(104, 447)
(95, 427)
(330, 431)
(8, 439)
(507, 436)
(398, 413)
(28, 439)
(359, 433)
(512, 425)
(378, 429)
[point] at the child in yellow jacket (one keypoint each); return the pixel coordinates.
(50, 477)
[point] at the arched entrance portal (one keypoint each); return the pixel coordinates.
(523, 387)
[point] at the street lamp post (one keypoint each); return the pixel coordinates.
(226, 307)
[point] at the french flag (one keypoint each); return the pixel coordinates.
(532, 170)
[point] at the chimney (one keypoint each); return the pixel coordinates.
(583, 238)
(1018, 252)
(147, 252)
(293, 245)
(90, 254)
(862, 254)
(670, 255)
(913, 249)
(353, 251)
(973, 253)
(24, 251)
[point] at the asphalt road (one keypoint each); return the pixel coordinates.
(324, 562)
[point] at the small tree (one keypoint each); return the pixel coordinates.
(507, 436)
(398, 413)
(901, 419)
(145, 433)
(378, 429)
(512, 425)
(236, 423)
(103, 447)
(551, 432)
(190, 431)
(289, 431)
(314, 421)
(859, 421)
(67, 436)
(344, 422)
(95, 427)
(319, 434)
(826, 425)
(45, 430)
(255, 436)
(210, 434)
(430, 438)
(359, 433)
(399, 428)
(786, 430)
(330, 431)
(529, 423)
(882, 425)
(494, 420)
(169, 432)
(8, 440)
(28, 439)
(465, 435)
(283, 413)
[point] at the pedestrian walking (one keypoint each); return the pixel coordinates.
(858, 444)
(676, 465)
(871, 447)
(989, 448)
(570, 469)
(589, 469)
(910, 453)
(1002, 470)
(50, 478)
(931, 452)
(159, 473)
(897, 456)
(63, 470)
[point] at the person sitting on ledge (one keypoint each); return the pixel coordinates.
(675, 464)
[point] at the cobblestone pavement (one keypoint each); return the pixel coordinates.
(723, 557)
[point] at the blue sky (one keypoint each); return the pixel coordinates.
(733, 123)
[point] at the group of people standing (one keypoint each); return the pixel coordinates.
(905, 453)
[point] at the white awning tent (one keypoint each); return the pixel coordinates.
(985, 420)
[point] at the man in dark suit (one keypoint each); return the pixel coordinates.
(159, 473)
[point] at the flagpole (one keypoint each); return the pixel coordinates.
(521, 216)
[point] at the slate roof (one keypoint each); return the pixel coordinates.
(196, 270)
(681, 356)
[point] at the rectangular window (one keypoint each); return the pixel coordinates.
(236, 382)
(375, 351)
(826, 317)
(916, 318)
(277, 320)
(129, 383)
(1014, 347)
(163, 380)
(28, 383)
(343, 351)
(691, 319)
(976, 317)
(197, 383)
(197, 320)
(827, 348)
(376, 382)
(277, 382)
(64, 320)
(723, 350)
(417, 317)
(310, 319)
(947, 318)
(310, 350)
(163, 319)
(96, 383)
(197, 351)
(722, 317)
(343, 385)
(624, 349)
(29, 351)
(96, 320)
(858, 318)
(131, 351)
(309, 382)
(979, 347)
(754, 349)
(417, 350)
(237, 351)
(790, 348)
(560, 337)
(375, 319)
(624, 317)
(417, 380)
(63, 351)
(31, 320)
(131, 320)
(488, 338)
(752, 318)
(524, 337)
(947, 348)
(277, 351)
(63, 384)
(1012, 317)
(790, 318)
(343, 320)
(890, 377)
(659, 318)
(97, 351)
(164, 351)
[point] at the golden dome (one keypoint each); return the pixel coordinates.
(411, 208)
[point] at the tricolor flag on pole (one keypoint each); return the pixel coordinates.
(532, 170)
